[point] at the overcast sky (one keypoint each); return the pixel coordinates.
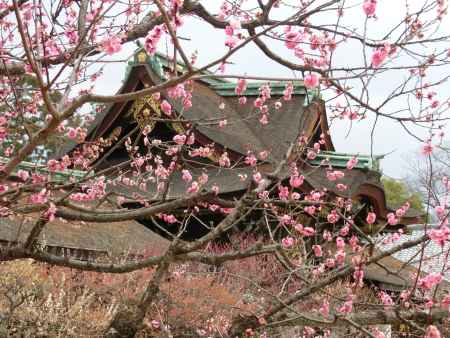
(389, 136)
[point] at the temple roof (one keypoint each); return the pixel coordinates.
(303, 115)
(243, 131)
(75, 238)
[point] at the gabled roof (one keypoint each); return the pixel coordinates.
(243, 132)
(304, 115)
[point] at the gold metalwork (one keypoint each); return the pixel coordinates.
(214, 156)
(114, 136)
(143, 110)
(178, 127)
(142, 57)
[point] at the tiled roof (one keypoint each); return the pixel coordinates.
(434, 259)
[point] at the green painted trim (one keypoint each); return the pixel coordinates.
(222, 86)
(277, 88)
(157, 66)
(339, 160)
(59, 176)
(159, 60)
(257, 85)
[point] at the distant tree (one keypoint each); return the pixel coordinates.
(398, 192)
(429, 178)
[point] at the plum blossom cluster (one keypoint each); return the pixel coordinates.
(179, 92)
(380, 54)
(261, 105)
(310, 47)
(94, 190)
(77, 134)
(152, 39)
(369, 7)
(232, 33)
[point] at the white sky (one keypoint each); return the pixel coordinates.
(389, 137)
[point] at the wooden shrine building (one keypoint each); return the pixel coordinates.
(118, 131)
(213, 100)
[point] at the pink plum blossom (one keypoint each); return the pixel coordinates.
(203, 179)
(296, 181)
(358, 276)
(23, 175)
(333, 217)
(241, 86)
(347, 307)
(242, 100)
(292, 39)
(377, 333)
(166, 107)
(308, 231)
(264, 120)
(311, 155)
(369, 7)
(171, 219)
(152, 39)
(251, 160)
(440, 210)
(112, 45)
(287, 93)
(317, 250)
(283, 193)
(432, 332)
(72, 133)
(427, 149)
(257, 177)
(352, 163)
(49, 214)
(325, 308)
(299, 227)
(285, 219)
(371, 218)
(392, 219)
(186, 175)
(235, 23)
(311, 81)
(231, 41)
(440, 236)
(40, 197)
(378, 57)
(429, 281)
(311, 210)
(193, 188)
(224, 160)
(179, 139)
(288, 242)
(340, 257)
(386, 300)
